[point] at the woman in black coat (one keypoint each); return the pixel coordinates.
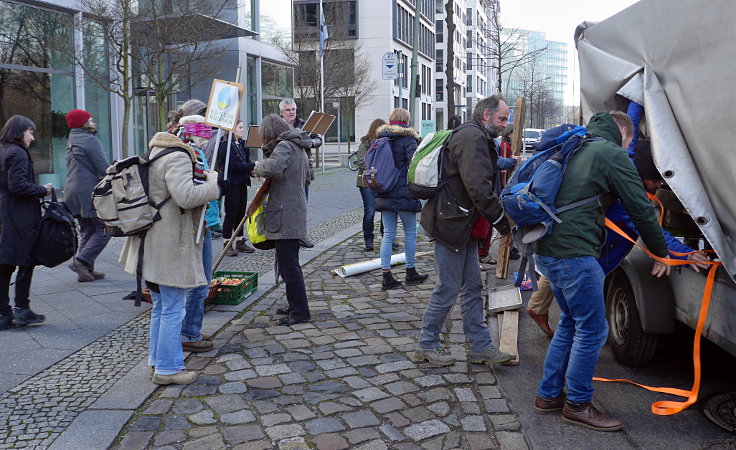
(238, 180)
(398, 202)
(20, 218)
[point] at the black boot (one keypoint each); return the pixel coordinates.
(414, 277)
(6, 322)
(369, 244)
(23, 316)
(389, 282)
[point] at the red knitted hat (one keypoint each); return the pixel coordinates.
(77, 117)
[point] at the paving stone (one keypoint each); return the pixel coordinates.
(135, 440)
(395, 366)
(365, 360)
(480, 441)
(199, 390)
(323, 425)
(458, 378)
(418, 414)
(388, 405)
(430, 380)
(240, 375)
(401, 387)
(426, 429)
(332, 407)
(490, 392)
(328, 386)
(412, 400)
(392, 433)
(473, 423)
(232, 388)
(265, 406)
(291, 378)
(273, 369)
(238, 417)
(361, 435)
(293, 443)
(187, 406)
(275, 419)
(348, 352)
(370, 394)
(264, 382)
(496, 406)
(158, 407)
(465, 395)
(341, 373)
(279, 432)
(169, 437)
(357, 382)
(203, 418)
(505, 422)
(301, 412)
(360, 419)
(433, 395)
(261, 394)
(330, 442)
(198, 432)
(176, 423)
(146, 423)
(238, 434)
(485, 378)
(226, 403)
(470, 408)
(440, 408)
(211, 442)
(329, 364)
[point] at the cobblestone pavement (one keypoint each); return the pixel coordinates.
(348, 379)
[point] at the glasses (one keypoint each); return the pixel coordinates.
(290, 110)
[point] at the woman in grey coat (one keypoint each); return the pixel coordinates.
(86, 165)
(287, 165)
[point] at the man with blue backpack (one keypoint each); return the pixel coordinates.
(568, 258)
(464, 193)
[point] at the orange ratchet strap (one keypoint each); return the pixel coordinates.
(667, 408)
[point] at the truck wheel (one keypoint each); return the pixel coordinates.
(630, 344)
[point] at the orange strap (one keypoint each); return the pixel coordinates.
(661, 207)
(667, 408)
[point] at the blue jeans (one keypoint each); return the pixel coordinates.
(192, 324)
(582, 330)
(167, 314)
(457, 273)
(369, 211)
(390, 224)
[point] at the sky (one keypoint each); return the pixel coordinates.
(558, 19)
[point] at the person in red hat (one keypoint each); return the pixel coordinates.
(86, 165)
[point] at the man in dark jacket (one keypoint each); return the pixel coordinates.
(568, 258)
(86, 165)
(469, 169)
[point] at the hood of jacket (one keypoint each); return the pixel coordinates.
(603, 125)
(394, 131)
(297, 136)
(163, 140)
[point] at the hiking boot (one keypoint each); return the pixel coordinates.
(586, 415)
(306, 243)
(389, 282)
(23, 317)
(197, 347)
(543, 406)
(183, 377)
(6, 322)
(229, 250)
(369, 244)
(437, 356)
(87, 271)
(414, 277)
(244, 247)
(490, 355)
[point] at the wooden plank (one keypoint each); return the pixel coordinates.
(519, 116)
(502, 261)
(508, 330)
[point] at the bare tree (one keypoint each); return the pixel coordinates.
(542, 109)
(451, 85)
(163, 46)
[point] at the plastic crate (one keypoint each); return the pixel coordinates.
(235, 294)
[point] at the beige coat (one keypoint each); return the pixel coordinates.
(171, 257)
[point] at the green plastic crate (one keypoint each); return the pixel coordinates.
(235, 294)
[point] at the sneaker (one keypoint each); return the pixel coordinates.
(197, 347)
(183, 377)
(438, 356)
(229, 250)
(244, 247)
(6, 322)
(23, 317)
(74, 267)
(490, 355)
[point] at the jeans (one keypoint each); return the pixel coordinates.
(369, 211)
(457, 273)
(577, 284)
(192, 324)
(22, 287)
(92, 240)
(287, 258)
(390, 224)
(167, 314)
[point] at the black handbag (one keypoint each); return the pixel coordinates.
(57, 239)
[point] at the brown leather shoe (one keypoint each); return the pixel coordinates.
(542, 320)
(197, 347)
(543, 406)
(588, 416)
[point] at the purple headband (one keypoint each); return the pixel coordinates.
(198, 129)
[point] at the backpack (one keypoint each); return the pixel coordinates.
(424, 176)
(529, 196)
(381, 173)
(56, 241)
(121, 201)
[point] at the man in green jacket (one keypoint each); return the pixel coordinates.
(568, 258)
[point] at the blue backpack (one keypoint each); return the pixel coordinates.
(529, 196)
(380, 174)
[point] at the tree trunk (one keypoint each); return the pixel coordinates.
(450, 61)
(126, 124)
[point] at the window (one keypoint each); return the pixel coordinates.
(470, 61)
(469, 16)
(439, 91)
(469, 83)
(439, 31)
(439, 61)
(341, 16)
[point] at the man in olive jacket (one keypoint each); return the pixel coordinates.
(568, 257)
(469, 168)
(86, 165)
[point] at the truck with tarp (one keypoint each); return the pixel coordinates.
(676, 58)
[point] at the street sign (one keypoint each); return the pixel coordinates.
(390, 66)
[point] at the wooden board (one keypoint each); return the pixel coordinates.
(508, 330)
(502, 262)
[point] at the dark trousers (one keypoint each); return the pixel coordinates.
(22, 287)
(92, 239)
(287, 257)
(236, 202)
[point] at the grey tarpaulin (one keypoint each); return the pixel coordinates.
(681, 55)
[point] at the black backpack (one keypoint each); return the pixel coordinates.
(56, 241)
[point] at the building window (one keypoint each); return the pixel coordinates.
(277, 83)
(341, 17)
(469, 17)
(439, 60)
(439, 90)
